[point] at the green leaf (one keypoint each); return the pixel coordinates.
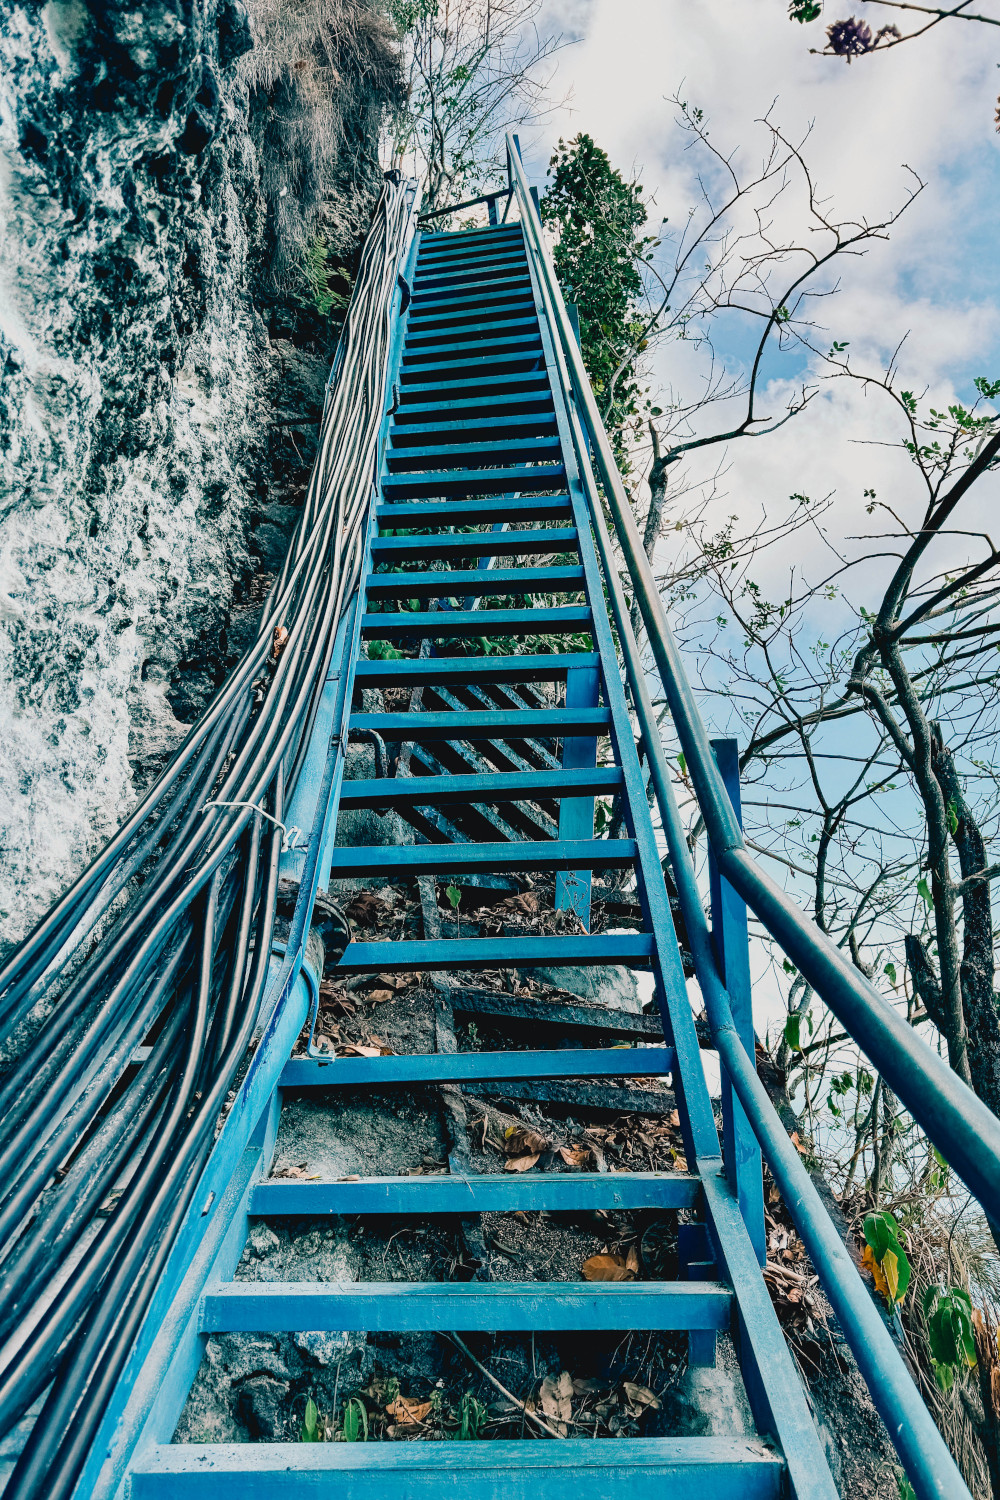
(682, 763)
(890, 972)
(793, 1032)
(311, 1430)
(454, 894)
(882, 1234)
(951, 812)
(355, 1426)
(924, 890)
(948, 1312)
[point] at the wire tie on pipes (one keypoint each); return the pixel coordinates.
(289, 836)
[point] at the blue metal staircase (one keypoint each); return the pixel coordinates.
(485, 468)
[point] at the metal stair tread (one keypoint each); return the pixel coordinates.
(475, 481)
(462, 582)
(464, 859)
(477, 623)
(504, 450)
(493, 544)
(435, 1193)
(426, 513)
(707, 1467)
(400, 1306)
(511, 723)
(586, 1063)
(499, 786)
(450, 954)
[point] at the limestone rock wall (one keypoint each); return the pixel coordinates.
(149, 463)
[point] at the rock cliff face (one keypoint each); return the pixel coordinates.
(150, 459)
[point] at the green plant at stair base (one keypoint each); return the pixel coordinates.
(454, 894)
(948, 1313)
(355, 1425)
(312, 1428)
(383, 651)
(471, 1416)
(885, 1257)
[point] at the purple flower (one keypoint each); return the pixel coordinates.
(850, 38)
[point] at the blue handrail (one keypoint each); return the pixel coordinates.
(958, 1122)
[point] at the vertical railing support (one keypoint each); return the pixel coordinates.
(576, 814)
(729, 930)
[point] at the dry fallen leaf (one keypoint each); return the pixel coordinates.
(674, 1117)
(607, 1268)
(354, 1049)
(632, 1260)
(641, 1395)
(378, 997)
(802, 1150)
(520, 1141)
(521, 1163)
(406, 1411)
(575, 1156)
(556, 1396)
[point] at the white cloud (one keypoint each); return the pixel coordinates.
(928, 104)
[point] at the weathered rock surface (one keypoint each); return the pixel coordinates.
(154, 427)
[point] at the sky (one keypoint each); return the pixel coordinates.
(927, 106)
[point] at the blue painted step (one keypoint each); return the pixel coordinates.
(445, 352)
(557, 1192)
(419, 334)
(493, 309)
(475, 1067)
(476, 623)
(612, 1469)
(497, 786)
(468, 1307)
(459, 482)
(501, 724)
(398, 549)
(394, 861)
(474, 513)
(467, 452)
(435, 435)
(464, 583)
(549, 952)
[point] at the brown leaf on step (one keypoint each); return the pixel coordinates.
(354, 1049)
(379, 997)
(300, 1173)
(521, 1163)
(406, 1411)
(632, 1259)
(641, 1395)
(575, 1156)
(607, 1268)
(520, 1141)
(367, 909)
(674, 1117)
(679, 1164)
(555, 1395)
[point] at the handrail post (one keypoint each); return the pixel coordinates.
(741, 1151)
